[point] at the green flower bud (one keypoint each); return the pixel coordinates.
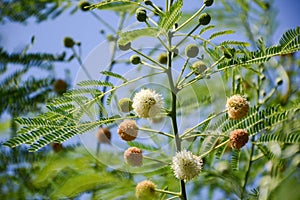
(125, 47)
(135, 59)
(199, 67)
(148, 2)
(191, 51)
(83, 5)
(141, 14)
(208, 2)
(204, 19)
(145, 190)
(125, 105)
(163, 58)
(69, 42)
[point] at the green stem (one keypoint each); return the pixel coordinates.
(248, 169)
(155, 131)
(148, 58)
(173, 113)
(198, 77)
(103, 22)
(199, 124)
(190, 19)
(153, 159)
(182, 70)
(211, 150)
(186, 36)
(168, 192)
(81, 64)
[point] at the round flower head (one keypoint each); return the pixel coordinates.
(185, 165)
(237, 107)
(133, 156)
(238, 138)
(147, 103)
(103, 136)
(128, 130)
(145, 190)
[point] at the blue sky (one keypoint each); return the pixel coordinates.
(85, 28)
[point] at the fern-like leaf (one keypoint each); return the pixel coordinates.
(235, 159)
(220, 33)
(115, 75)
(93, 83)
(289, 138)
(142, 146)
(172, 16)
(130, 36)
(289, 43)
(116, 5)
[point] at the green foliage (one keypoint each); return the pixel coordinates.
(22, 10)
(130, 36)
(172, 16)
(273, 129)
(289, 43)
(116, 5)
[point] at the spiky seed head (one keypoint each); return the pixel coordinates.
(186, 166)
(103, 135)
(199, 67)
(60, 86)
(237, 107)
(128, 130)
(83, 5)
(133, 156)
(125, 47)
(147, 103)
(135, 59)
(162, 58)
(141, 14)
(145, 190)
(191, 51)
(238, 138)
(204, 19)
(208, 2)
(125, 105)
(69, 42)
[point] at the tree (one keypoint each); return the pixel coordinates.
(194, 109)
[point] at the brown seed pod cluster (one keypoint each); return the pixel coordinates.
(237, 107)
(133, 156)
(238, 138)
(128, 130)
